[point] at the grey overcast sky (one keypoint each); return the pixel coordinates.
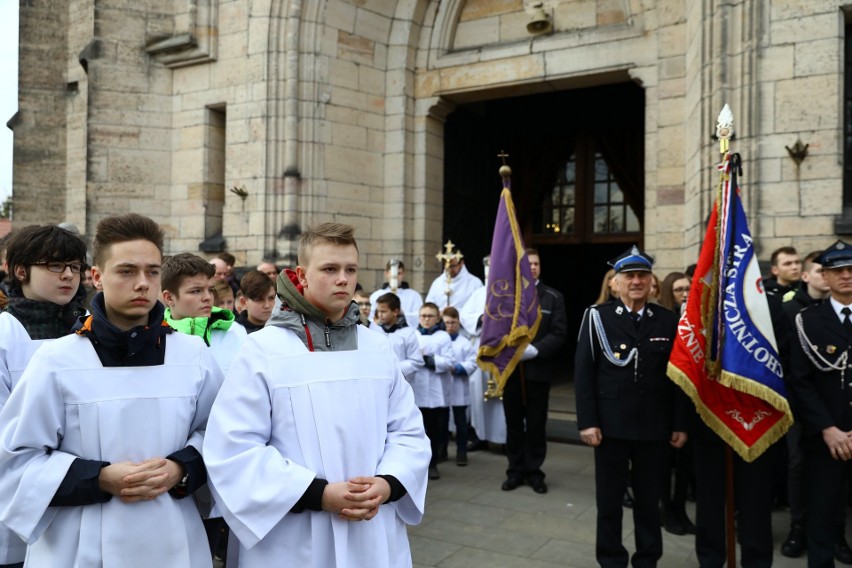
(8, 89)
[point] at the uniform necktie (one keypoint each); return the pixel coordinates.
(635, 317)
(847, 322)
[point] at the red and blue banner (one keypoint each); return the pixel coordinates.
(512, 312)
(725, 356)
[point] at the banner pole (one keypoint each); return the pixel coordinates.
(730, 526)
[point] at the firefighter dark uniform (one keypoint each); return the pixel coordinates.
(622, 389)
(821, 382)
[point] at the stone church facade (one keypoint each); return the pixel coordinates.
(236, 123)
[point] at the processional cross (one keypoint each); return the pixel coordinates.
(446, 257)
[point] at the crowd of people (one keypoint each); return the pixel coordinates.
(652, 449)
(289, 413)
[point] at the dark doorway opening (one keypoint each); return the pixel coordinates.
(577, 159)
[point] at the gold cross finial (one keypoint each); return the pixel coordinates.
(449, 254)
(503, 155)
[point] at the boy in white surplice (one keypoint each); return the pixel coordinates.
(45, 264)
(316, 428)
(100, 440)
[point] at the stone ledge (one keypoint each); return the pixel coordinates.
(196, 45)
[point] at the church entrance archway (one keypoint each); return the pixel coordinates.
(577, 159)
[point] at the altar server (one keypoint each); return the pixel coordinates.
(100, 441)
(316, 428)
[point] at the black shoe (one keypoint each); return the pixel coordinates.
(461, 458)
(628, 499)
(670, 521)
(538, 485)
(476, 445)
(842, 552)
(684, 520)
(433, 472)
(795, 543)
(512, 483)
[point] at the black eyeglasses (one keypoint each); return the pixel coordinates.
(59, 267)
(364, 304)
(680, 290)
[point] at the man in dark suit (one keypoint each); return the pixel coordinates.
(527, 391)
(822, 388)
(626, 408)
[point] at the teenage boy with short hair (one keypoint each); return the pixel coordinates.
(105, 422)
(464, 364)
(402, 338)
(223, 296)
(364, 307)
(187, 283)
(45, 299)
(410, 299)
(258, 299)
(316, 427)
(432, 382)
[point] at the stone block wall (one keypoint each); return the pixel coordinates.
(334, 110)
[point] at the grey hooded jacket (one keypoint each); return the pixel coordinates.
(292, 311)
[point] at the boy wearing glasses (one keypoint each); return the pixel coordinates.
(432, 383)
(363, 300)
(100, 440)
(45, 299)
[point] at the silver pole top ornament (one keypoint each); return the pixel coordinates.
(725, 128)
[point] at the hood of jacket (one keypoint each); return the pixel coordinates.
(294, 312)
(203, 326)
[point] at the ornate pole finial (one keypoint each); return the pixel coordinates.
(505, 171)
(725, 128)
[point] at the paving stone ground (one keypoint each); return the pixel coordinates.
(471, 523)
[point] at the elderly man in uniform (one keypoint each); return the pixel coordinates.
(822, 391)
(628, 409)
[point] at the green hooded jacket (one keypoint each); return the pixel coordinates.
(220, 319)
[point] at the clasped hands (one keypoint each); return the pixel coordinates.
(143, 481)
(839, 442)
(357, 499)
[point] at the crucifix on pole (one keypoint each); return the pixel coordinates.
(447, 256)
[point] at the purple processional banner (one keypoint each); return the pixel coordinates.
(512, 312)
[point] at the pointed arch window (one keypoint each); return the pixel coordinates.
(586, 202)
(612, 213)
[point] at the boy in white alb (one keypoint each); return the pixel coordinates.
(45, 299)
(464, 364)
(432, 382)
(188, 292)
(410, 299)
(187, 283)
(100, 440)
(403, 339)
(315, 427)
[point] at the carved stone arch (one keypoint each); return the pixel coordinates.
(444, 30)
(410, 166)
